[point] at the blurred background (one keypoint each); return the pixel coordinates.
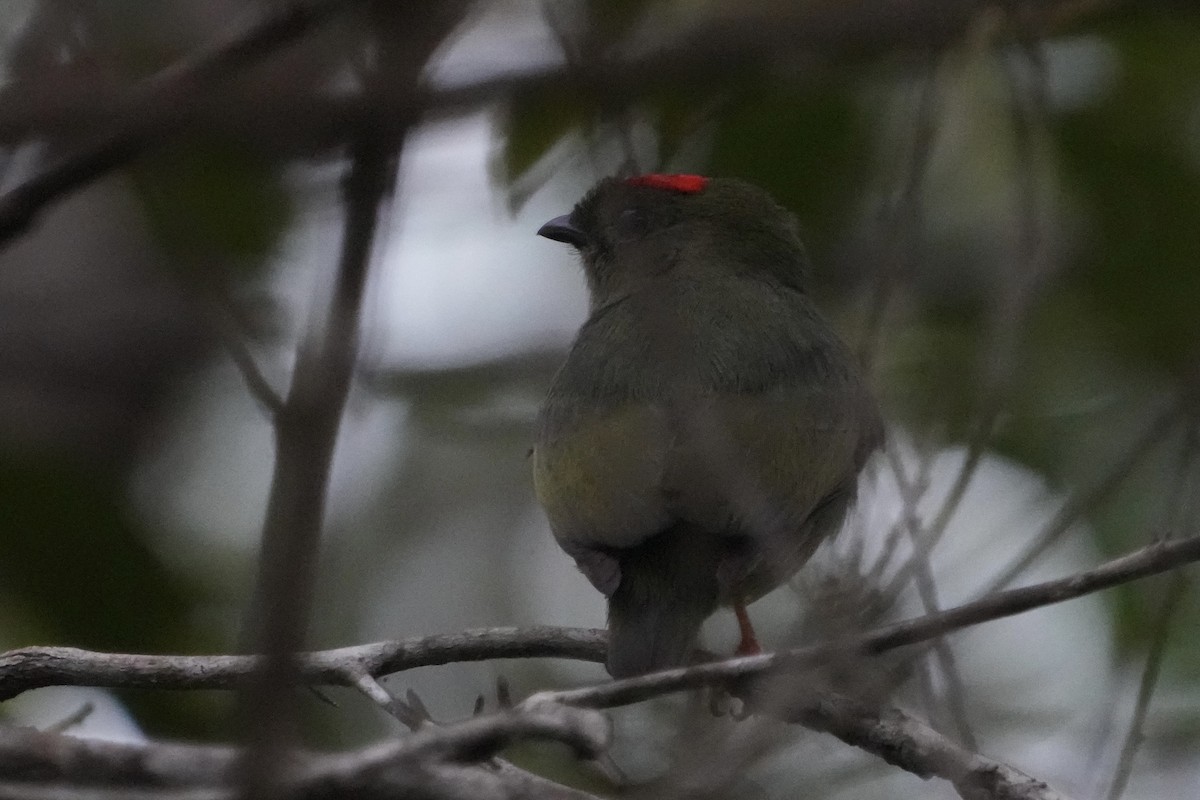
(1001, 203)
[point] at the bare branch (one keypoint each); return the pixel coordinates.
(1154, 559)
(42, 791)
(437, 762)
(381, 697)
(306, 432)
(256, 382)
(24, 669)
(31, 755)
(910, 744)
(37, 667)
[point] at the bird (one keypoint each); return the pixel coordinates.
(707, 428)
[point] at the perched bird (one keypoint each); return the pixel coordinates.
(707, 428)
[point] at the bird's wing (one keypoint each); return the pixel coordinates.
(764, 461)
(597, 476)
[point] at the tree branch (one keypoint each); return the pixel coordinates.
(1151, 560)
(436, 762)
(306, 429)
(908, 743)
(888, 733)
(36, 667)
(153, 110)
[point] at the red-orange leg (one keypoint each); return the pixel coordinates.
(748, 646)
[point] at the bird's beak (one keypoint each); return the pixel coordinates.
(560, 229)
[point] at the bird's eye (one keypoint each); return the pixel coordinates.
(632, 223)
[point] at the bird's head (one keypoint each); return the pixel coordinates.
(631, 230)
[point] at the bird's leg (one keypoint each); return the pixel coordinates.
(748, 646)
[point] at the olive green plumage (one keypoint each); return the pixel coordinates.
(707, 429)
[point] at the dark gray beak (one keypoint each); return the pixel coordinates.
(560, 229)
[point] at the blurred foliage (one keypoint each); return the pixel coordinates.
(807, 145)
(77, 565)
(535, 121)
(129, 602)
(1132, 161)
(214, 199)
(75, 568)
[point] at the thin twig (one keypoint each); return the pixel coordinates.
(1083, 502)
(1178, 512)
(1147, 684)
(919, 563)
(72, 720)
(1008, 318)
(901, 218)
(911, 493)
(909, 521)
(955, 691)
(256, 382)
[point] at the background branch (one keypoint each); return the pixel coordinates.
(306, 432)
(182, 94)
(437, 762)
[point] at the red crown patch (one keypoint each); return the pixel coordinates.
(684, 184)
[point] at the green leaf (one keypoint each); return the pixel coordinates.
(805, 145)
(214, 198)
(534, 122)
(1132, 165)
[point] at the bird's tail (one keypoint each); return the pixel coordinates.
(668, 588)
